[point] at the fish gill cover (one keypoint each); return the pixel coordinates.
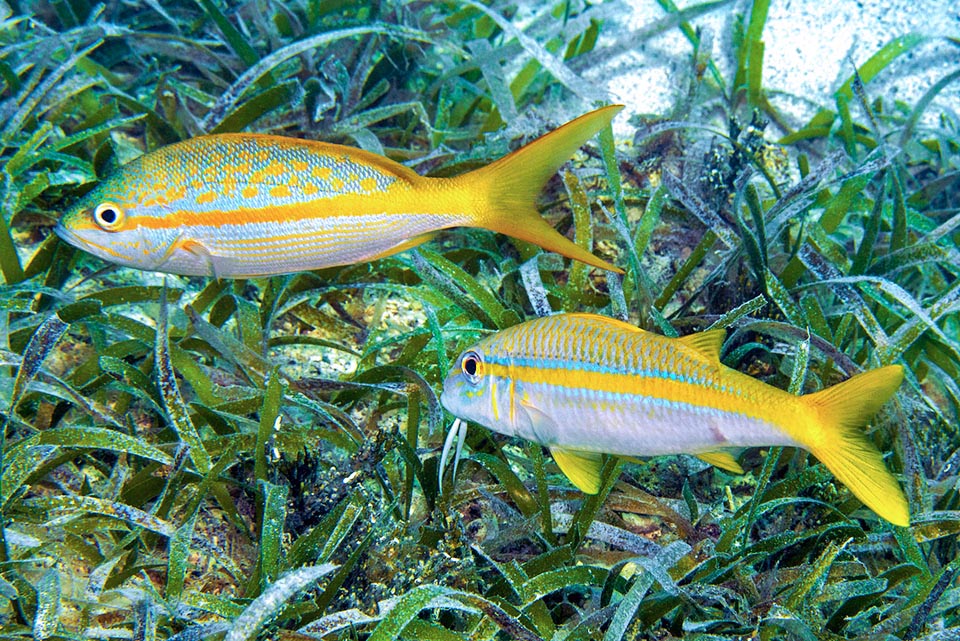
(189, 458)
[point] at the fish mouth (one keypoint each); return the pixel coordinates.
(66, 234)
(86, 244)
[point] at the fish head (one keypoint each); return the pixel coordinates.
(118, 221)
(474, 392)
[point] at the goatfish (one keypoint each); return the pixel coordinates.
(246, 205)
(584, 385)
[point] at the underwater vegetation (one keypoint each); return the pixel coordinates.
(190, 457)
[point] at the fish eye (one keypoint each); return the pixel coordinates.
(108, 216)
(472, 366)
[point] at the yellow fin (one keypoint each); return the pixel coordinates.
(723, 460)
(582, 468)
(606, 320)
(839, 443)
(504, 193)
(708, 343)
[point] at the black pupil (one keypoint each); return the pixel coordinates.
(108, 216)
(470, 366)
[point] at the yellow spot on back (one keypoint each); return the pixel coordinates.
(250, 192)
(176, 192)
(298, 165)
(368, 184)
(336, 184)
(275, 169)
(323, 173)
(229, 184)
(206, 197)
(280, 191)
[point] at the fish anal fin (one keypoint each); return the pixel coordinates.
(707, 343)
(582, 468)
(721, 459)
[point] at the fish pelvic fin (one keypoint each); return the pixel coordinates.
(505, 192)
(582, 468)
(842, 411)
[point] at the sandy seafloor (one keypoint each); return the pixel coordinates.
(810, 48)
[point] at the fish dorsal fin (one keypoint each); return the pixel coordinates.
(606, 320)
(721, 459)
(706, 343)
(582, 468)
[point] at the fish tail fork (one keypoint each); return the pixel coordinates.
(838, 441)
(507, 189)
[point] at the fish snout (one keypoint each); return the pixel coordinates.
(68, 235)
(449, 396)
(61, 230)
(458, 399)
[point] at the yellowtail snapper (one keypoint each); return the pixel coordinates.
(243, 205)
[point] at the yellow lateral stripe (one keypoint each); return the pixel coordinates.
(374, 226)
(665, 389)
(400, 203)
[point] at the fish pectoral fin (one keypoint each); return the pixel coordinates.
(542, 428)
(582, 468)
(191, 245)
(199, 250)
(167, 253)
(721, 459)
(404, 245)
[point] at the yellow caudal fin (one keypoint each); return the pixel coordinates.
(506, 190)
(842, 412)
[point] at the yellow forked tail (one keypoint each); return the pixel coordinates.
(840, 444)
(506, 190)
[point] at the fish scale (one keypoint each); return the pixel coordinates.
(242, 205)
(214, 164)
(565, 366)
(585, 385)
